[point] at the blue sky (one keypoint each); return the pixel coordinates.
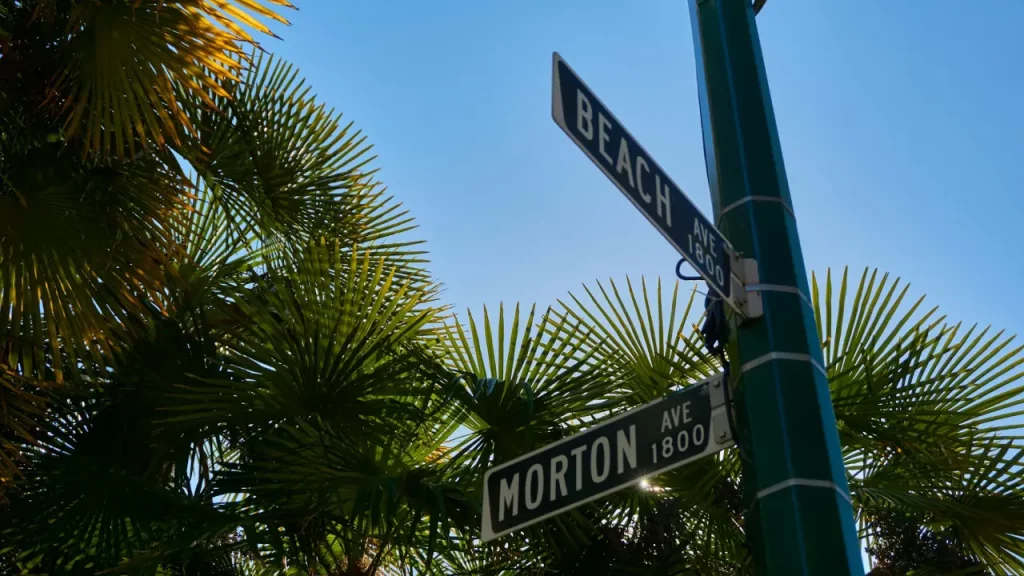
(900, 124)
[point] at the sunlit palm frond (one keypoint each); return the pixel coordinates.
(279, 159)
(340, 501)
(328, 335)
(104, 484)
(982, 506)
(118, 88)
(332, 401)
(208, 258)
(905, 384)
(519, 387)
(642, 336)
(647, 343)
(22, 413)
(523, 385)
(928, 414)
(78, 255)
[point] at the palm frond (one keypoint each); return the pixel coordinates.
(522, 386)
(642, 336)
(315, 338)
(93, 492)
(325, 357)
(927, 414)
(279, 159)
(208, 260)
(915, 385)
(78, 256)
(646, 341)
(129, 59)
(22, 415)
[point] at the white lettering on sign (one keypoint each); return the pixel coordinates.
(537, 488)
(624, 164)
(671, 418)
(606, 465)
(559, 464)
(624, 161)
(508, 496)
(627, 448)
(641, 165)
(619, 155)
(678, 442)
(703, 247)
(602, 136)
(663, 196)
(534, 489)
(584, 112)
(578, 453)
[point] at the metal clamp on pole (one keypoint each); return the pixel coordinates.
(745, 274)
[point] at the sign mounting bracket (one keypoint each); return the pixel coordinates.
(745, 274)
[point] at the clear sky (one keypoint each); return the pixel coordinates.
(901, 125)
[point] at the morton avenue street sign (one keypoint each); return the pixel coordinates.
(667, 433)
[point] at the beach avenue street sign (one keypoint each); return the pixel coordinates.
(667, 433)
(590, 124)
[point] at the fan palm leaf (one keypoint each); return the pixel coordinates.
(330, 399)
(644, 334)
(22, 405)
(927, 413)
(277, 158)
(77, 255)
(94, 492)
(518, 387)
(129, 60)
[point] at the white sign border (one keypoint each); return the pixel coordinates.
(713, 446)
(558, 115)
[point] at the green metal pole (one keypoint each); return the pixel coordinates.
(799, 518)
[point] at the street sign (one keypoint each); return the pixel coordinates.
(589, 123)
(648, 440)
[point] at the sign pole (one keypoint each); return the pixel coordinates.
(799, 519)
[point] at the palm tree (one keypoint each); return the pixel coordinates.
(222, 351)
(927, 415)
(95, 101)
(181, 220)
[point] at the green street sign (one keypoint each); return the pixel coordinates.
(605, 140)
(648, 440)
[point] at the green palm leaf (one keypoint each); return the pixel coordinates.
(22, 408)
(277, 158)
(926, 414)
(131, 60)
(93, 493)
(647, 340)
(519, 396)
(313, 340)
(330, 396)
(78, 256)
